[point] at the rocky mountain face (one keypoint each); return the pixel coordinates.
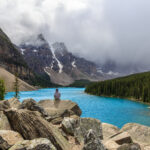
(12, 60)
(37, 54)
(56, 61)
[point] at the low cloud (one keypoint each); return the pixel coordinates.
(95, 29)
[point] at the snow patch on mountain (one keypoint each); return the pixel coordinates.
(113, 73)
(100, 71)
(34, 50)
(47, 71)
(55, 58)
(73, 64)
(22, 51)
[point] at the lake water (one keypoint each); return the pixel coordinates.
(115, 111)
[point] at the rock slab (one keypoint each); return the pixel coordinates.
(8, 138)
(4, 123)
(109, 130)
(139, 133)
(31, 125)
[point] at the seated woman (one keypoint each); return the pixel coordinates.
(57, 95)
(57, 98)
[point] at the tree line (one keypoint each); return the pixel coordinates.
(135, 86)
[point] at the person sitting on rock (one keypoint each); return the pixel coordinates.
(57, 95)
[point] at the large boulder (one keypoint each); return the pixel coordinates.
(85, 124)
(115, 141)
(111, 145)
(56, 113)
(78, 127)
(69, 125)
(4, 123)
(36, 144)
(11, 103)
(14, 103)
(109, 130)
(4, 104)
(55, 116)
(31, 104)
(31, 125)
(146, 147)
(8, 138)
(139, 133)
(121, 138)
(72, 107)
(92, 142)
(132, 146)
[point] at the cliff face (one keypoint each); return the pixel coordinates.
(57, 62)
(12, 60)
(71, 64)
(37, 54)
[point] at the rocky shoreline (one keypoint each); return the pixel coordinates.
(46, 125)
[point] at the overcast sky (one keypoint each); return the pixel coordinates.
(95, 29)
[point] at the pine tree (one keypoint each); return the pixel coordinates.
(2, 90)
(16, 86)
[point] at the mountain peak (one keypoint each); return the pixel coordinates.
(40, 37)
(35, 40)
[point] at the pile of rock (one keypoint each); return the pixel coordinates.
(45, 125)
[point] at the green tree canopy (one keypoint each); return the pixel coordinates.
(135, 86)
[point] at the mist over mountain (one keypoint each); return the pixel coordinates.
(57, 62)
(99, 30)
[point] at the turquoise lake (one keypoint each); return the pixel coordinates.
(115, 111)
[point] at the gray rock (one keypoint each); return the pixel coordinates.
(8, 138)
(31, 125)
(56, 116)
(133, 146)
(92, 142)
(69, 125)
(86, 124)
(31, 104)
(36, 144)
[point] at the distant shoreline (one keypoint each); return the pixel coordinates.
(127, 98)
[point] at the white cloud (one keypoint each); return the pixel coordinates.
(96, 29)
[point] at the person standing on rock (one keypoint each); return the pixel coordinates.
(57, 98)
